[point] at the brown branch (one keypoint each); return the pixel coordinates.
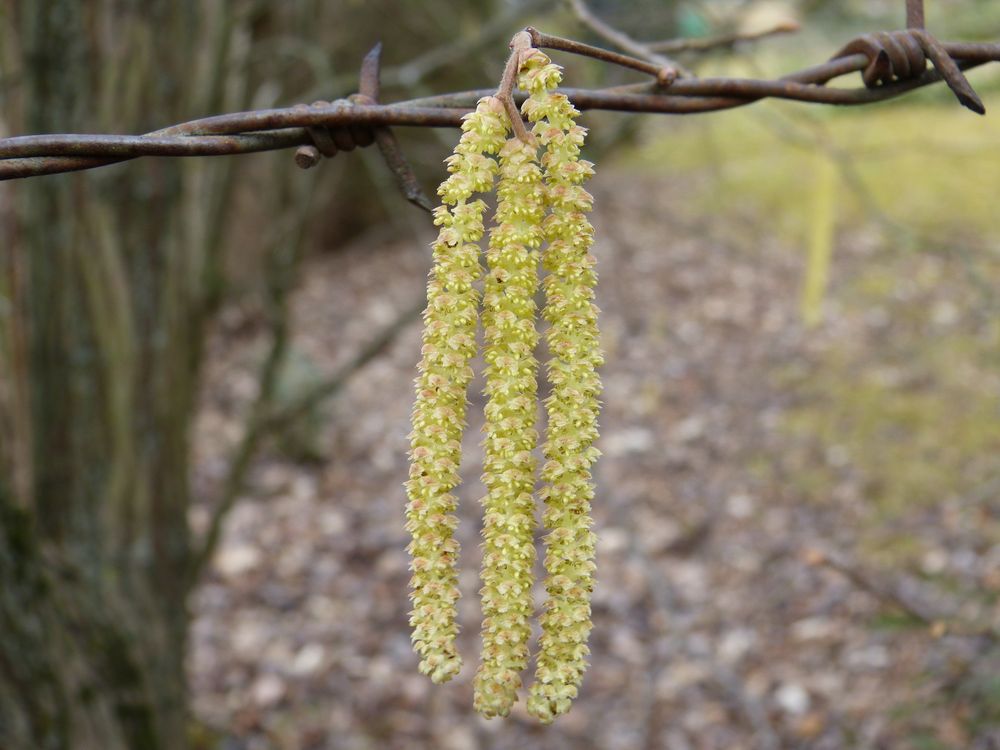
(246, 451)
(520, 45)
(498, 27)
(664, 75)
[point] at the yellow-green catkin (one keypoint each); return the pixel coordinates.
(511, 436)
(573, 406)
(449, 342)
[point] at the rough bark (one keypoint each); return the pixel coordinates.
(102, 368)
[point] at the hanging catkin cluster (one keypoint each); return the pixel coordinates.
(539, 200)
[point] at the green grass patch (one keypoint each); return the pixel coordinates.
(923, 160)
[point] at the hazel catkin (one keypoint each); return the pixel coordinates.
(541, 200)
(511, 437)
(572, 407)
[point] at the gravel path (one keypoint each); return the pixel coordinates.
(712, 628)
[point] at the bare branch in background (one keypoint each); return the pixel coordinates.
(317, 394)
(721, 41)
(287, 251)
(906, 594)
(621, 40)
(416, 70)
(267, 422)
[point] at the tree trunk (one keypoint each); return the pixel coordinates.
(106, 281)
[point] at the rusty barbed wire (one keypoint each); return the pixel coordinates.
(892, 63)
(328, 141)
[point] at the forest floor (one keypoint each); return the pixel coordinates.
(765, 491)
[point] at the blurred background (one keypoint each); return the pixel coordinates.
(206, 369)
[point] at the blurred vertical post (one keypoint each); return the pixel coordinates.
(822, 223)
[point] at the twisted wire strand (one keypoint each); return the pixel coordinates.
(271, 129)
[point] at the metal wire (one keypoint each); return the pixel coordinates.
(889, 60)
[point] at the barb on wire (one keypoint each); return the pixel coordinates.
(328, 141)
(903, 55)
(369, 89)
(900, 55)
(351, 122)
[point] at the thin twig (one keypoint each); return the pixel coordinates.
(520, 45)
(903, 594)
(462, 47)
(845, 162)
(239, 465)
(314, 396)
(664, 75)
(266, 422)
(883, 590)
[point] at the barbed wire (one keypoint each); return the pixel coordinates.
(892, 64)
